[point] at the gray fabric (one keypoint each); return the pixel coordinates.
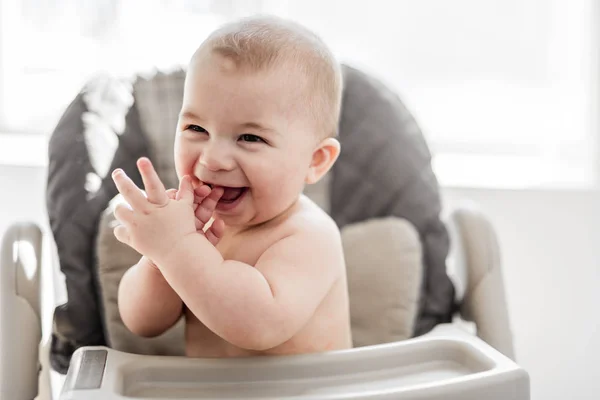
(74, 209)
(159, 98)
(384, 169)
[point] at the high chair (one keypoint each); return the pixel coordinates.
(425, 325)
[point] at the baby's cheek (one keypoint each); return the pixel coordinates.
(178, 157)
(184, 162)
(180, 167)
(289, 178)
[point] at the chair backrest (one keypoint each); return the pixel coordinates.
(384, 171)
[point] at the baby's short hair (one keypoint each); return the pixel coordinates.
(263, 42)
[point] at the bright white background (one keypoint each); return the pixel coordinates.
(505, 91)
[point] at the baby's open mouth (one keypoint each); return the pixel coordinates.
(230, 194)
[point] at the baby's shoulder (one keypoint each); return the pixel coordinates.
(305, 224)
(307, 236)
(311, 221)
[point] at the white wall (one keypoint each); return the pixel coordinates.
(552, 268)
(22, 190)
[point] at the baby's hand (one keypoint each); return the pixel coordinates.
(205, 201)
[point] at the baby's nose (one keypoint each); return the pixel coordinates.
(216, 158)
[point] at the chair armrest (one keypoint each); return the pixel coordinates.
(479, 280)
(20, 324)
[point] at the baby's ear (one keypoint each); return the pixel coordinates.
(323, 159)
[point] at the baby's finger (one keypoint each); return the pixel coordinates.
(199, 225)
(131, 193)
(215, 232)
(123, 213)
(121, 234)
(172, 194)
(207, 207)
(186, 191)
(155, 190)
(201, 193)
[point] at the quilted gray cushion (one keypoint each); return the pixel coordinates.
(384, 170)
(77, 192)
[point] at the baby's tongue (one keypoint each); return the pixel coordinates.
(231, 194)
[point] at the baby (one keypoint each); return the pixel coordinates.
(259, 119)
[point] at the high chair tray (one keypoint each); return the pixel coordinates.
(439, 367)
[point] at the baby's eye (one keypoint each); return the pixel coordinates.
(196, 128)
(247, 137)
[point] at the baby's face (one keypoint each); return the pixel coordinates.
(248, 132)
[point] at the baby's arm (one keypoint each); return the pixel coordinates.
(147, 304)
(257, 307)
